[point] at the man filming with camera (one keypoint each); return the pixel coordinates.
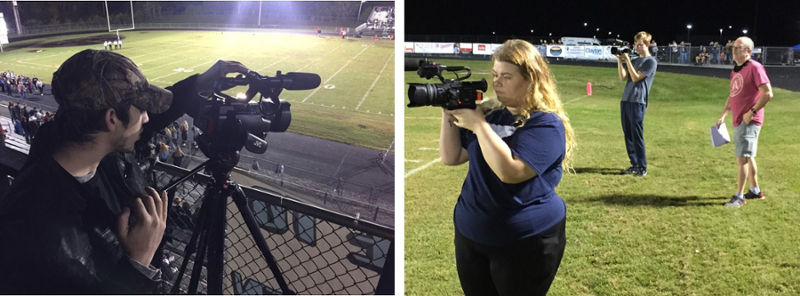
(79, 218)
(639, 75)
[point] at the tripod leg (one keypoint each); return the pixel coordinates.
(199, 228)
(258, 237)
(216, 245)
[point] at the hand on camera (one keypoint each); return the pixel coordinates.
(141, 239)
(467, 118)
(204, 86)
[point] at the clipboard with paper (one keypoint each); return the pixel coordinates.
(719, 135)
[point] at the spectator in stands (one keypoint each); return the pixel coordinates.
(8, 86)
(749, 93)
(21, 90)
(175, 136)
(673, 51)
(256, 167)
(163, 151)
(40, 86)
(639, 76)
(702, 57)
(729, 52)
(184, 133)
(715, 53)
(17, 111)
(2, 137)
(509, 222)
(47, 117)
(177, 157)
(319, 31)
(11, 110)
(68, 211)
(26, 129)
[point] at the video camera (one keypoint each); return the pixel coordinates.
(620, 50)
(451, 94)
(229, 123)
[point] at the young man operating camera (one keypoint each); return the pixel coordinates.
(639, 74)
(64, 225)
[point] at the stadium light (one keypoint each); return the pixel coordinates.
(598, 30)
(730, 27)
(744, 31)
(531, 31)
(609, 32)
(551, 34)
(720, 32)
(585, 24)
(688, 33)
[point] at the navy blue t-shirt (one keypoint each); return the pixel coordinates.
(495, 213)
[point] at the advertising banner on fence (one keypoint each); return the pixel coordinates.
(430, 47)
(481, 48)
(409, 47)
(542, 49)
(495, 47)
(466, 48)
(593, 53)
(574, 52)
(555, 51)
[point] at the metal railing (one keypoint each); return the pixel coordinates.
(318, 251)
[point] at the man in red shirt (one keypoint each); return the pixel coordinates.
(750, 92)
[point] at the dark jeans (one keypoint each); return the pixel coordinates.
(633, 128)
(526, 267)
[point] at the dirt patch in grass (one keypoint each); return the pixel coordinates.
(91, 40)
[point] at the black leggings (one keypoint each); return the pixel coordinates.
(526, 267)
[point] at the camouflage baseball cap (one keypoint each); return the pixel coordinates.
(99, 79)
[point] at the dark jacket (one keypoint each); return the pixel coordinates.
(57, 236)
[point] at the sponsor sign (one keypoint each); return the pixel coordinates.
(465, 47)
(593, 52)
(431, 47)
(574, 52)
(555, 51)
(481, 48)
(409, 47)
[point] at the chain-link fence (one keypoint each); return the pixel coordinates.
(317, 251)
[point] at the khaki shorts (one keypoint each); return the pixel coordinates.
(746, 139)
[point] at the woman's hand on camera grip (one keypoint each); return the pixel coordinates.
(469, 119)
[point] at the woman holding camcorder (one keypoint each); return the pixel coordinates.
(510, 223)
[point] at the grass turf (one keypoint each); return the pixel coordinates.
(664, 234)
(354, 104)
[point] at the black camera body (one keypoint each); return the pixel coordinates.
(228, 123)
(450, 94)
(620, 50)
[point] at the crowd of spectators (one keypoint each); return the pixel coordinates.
(27, 121)
(11, 83)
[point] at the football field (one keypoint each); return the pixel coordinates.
(353, 105)
(664, 234)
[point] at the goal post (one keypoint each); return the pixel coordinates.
(108, 20)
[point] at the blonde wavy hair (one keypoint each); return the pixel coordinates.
(542, 94)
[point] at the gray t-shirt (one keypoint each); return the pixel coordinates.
(638, 92)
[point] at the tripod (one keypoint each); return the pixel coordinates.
(208, 236)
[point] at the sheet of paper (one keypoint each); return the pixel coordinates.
(719, 135)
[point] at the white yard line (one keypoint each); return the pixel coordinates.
(424, 166)
(52, 55)
(376, 81)
(334, 74)
(193, 67)
(283, 59)
(319, 58)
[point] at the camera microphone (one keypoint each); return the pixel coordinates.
(413, 64)
(301, 81)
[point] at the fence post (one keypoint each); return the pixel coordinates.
(386, 282)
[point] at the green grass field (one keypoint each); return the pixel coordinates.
(354, 104)
(664, 234)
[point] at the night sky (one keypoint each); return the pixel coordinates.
(769, 22)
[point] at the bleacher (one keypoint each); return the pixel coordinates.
(380, 23)
(13, 140)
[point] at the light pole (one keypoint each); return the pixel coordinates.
(359, 9)
(688, 33)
